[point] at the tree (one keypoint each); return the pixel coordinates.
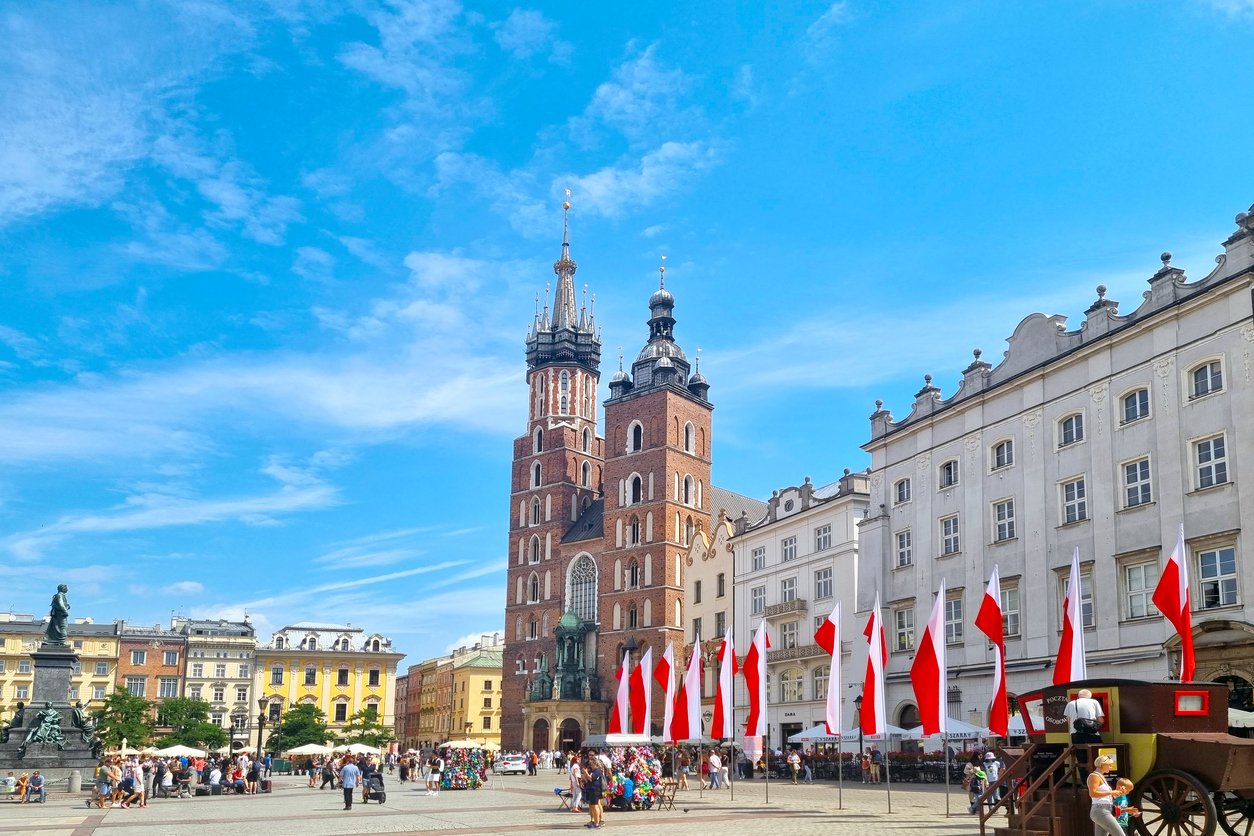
(301, 724)
(188, 720)
(124, 716)
(364, 727)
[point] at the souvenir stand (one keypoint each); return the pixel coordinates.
(633, 758)
(465, 765)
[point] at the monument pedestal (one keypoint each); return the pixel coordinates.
(53, 668)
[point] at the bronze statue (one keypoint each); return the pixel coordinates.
(56, 632)
(46, 729)
(84, 723)
(15, 723)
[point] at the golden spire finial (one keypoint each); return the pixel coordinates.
(661, 273)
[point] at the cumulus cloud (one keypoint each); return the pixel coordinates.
(184, 588)
(527, 33)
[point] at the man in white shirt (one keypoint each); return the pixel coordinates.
(1084, 717)
(716, 771)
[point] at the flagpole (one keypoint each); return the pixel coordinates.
(945, 744)
(888, 773)
(767, 773)
(840, 770)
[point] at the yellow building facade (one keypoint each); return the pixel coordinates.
(336, 667)
(476, 697)
(93, 678)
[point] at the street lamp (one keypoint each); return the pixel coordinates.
(857, 703)
(262, 704)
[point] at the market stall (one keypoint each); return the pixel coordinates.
(465, 765)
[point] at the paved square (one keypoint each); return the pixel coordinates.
(517, 805)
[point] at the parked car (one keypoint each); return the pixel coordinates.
(511, 763)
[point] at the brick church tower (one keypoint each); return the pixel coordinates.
(657, 480)
(556, 476)
(596, 539)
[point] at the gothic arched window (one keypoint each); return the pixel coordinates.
(533, 589)
(537, 444)
(535, 550)
(535, 475)
(637, 490)
(583, 589)
(637, 438)
(585, 476)
(535, 511)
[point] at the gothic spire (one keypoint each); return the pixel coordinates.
(565, 315)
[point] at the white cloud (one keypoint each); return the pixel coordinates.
(184, 588)
(527, 32)
(1233, 8)
(474, 637)
(314, 264)
(613, 190)
(821, 34)
(641, 100)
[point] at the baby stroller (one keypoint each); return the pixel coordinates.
(374, 788)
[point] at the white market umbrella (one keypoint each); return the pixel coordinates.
(460, 744)
(817, 734)
(311, 749)
(357, 749)
(180, 751)
(1238, 719)
(889, 731)
(958, 730)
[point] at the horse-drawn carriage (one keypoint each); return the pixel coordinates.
(1170, 738)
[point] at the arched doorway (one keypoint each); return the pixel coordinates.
(540, 735)
(1240, 692)
(908, 717)
(570, 735)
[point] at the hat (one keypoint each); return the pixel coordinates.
(988, 756)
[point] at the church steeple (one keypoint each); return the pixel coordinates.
(566, 336)
(661, 363)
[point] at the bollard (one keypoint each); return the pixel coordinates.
(76, 781)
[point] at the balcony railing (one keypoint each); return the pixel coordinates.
(797, 605)
(788, 654)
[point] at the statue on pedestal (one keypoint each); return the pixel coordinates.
(46, 729)
(58, 617)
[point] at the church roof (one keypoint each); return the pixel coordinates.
(734, 503)
(589, 526)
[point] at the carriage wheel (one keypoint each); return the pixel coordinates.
(1236, 814)
(1173, 803)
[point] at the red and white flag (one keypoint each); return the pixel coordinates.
(874, 719)
(989, 621)
(641, 694)
(755, 682)
(928, 671)
(618, 717)
(722, 725)
(664, 675)
(828, 638)
(686, 722)
(1171, 596)
(1070, 666)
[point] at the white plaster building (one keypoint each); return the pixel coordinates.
(1106, 438)
(791, 568)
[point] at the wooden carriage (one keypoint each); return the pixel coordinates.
(1170, 738)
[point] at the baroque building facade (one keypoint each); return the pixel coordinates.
(599, 524)
(792, 565)
(1106, 438)
(339, 668)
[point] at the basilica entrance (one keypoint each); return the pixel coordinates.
(540, 736)
(570, 735)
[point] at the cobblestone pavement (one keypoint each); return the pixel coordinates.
(516, 805)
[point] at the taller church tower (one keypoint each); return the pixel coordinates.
(556, 477)
(657, 488)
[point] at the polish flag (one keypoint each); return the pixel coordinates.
(828, 638)
(618, 717)
(664, 676)
(755, 681)
(989, 621)
(874, 719)
(1070, 665)
(722, 725)
(927, 673)
(1171, 596)
(640, 694)
(686, 722)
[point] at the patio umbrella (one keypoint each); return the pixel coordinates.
(181, 751)
(890, 731)
(958, 730)
(492, 745)
(1238, 719)
(817, 734)
(310, 749)
(357, 749)
(460, 744)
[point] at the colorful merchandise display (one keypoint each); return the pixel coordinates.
(640, 766)
(464, 769)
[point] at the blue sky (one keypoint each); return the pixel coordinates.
(266, 267)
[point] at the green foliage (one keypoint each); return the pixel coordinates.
(364, 727)
(189, 724)
(124, 715)
(299, 725)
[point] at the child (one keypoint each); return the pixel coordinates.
(979, 783)
(1121, 809)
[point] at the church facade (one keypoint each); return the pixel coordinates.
(599, 521)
